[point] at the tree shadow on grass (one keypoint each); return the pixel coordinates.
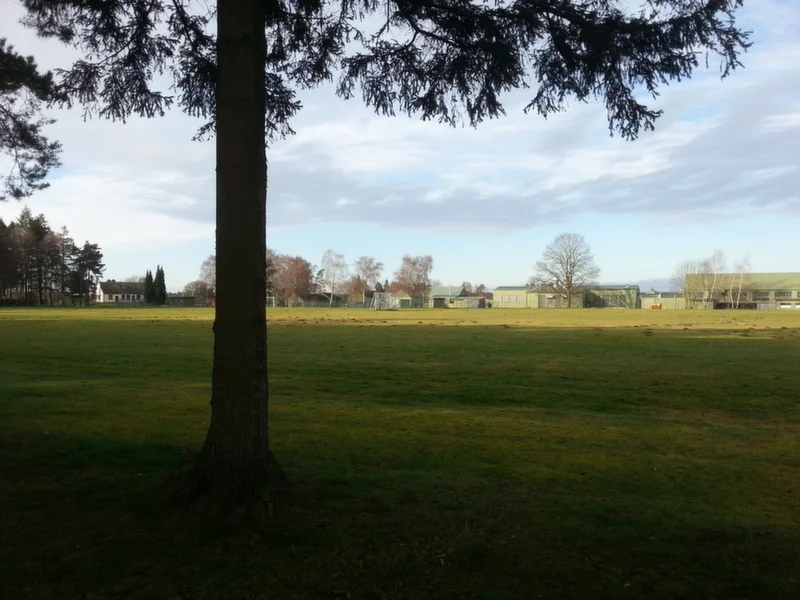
(84, 517)
(444, 462)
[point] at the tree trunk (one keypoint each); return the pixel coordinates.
(235, 469)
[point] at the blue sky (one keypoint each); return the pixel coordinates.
(720, 172)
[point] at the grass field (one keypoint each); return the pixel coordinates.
(438, 454)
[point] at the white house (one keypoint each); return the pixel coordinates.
(119, 291)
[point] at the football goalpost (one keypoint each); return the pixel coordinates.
(271, 302)
(382, 301)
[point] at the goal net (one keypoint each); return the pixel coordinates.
(271, 302)
(382, 301)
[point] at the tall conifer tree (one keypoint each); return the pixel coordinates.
(149, 288)
(159, 287)
(448, 60)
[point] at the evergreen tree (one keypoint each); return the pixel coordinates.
(149, 288)
(23, 90)
(159, 287)
(39, 265)
(448, 60)
(88, 267)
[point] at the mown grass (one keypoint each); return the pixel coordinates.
(439, 454)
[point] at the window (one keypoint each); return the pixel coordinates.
(782, 294)
(785, 305)
(760, 296)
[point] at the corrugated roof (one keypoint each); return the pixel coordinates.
(502, 288)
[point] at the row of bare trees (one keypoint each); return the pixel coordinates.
(707, 281)
(40, 266)
(293, 278)
(335, 278)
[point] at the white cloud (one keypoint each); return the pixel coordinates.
(782, 121)
(116, 212)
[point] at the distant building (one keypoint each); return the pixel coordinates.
(597, 296)
(662, 300)
(514, 296)
(401, 299)
(612, 296)
(444, 296)
(762, 291)
(124, 292)
(180, 300)
(453, 296)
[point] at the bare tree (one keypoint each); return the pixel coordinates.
(208, 273)
(414, 276)
(711, 269)
(368, 273)
(737, 281)
(199, 289)
(292, 278)
(134, 279)
(686, 280)
(567, 266)
(333, 274)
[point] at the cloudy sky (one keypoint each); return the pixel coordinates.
(721, 171)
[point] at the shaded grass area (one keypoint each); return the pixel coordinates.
(439, 454)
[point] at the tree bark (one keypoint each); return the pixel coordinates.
(235, 469)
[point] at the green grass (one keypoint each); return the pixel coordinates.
(440, 454)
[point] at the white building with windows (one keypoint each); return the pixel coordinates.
(127, 292)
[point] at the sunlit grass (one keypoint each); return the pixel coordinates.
(446, 454)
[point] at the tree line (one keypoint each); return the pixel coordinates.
(292, 280)
(42, 266)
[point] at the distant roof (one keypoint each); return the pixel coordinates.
(652, 294)
(758, 281)
(510, 287)
(612, 287)
(447, 291)
(122, 287)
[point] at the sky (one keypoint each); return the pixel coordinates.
(721, 171)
